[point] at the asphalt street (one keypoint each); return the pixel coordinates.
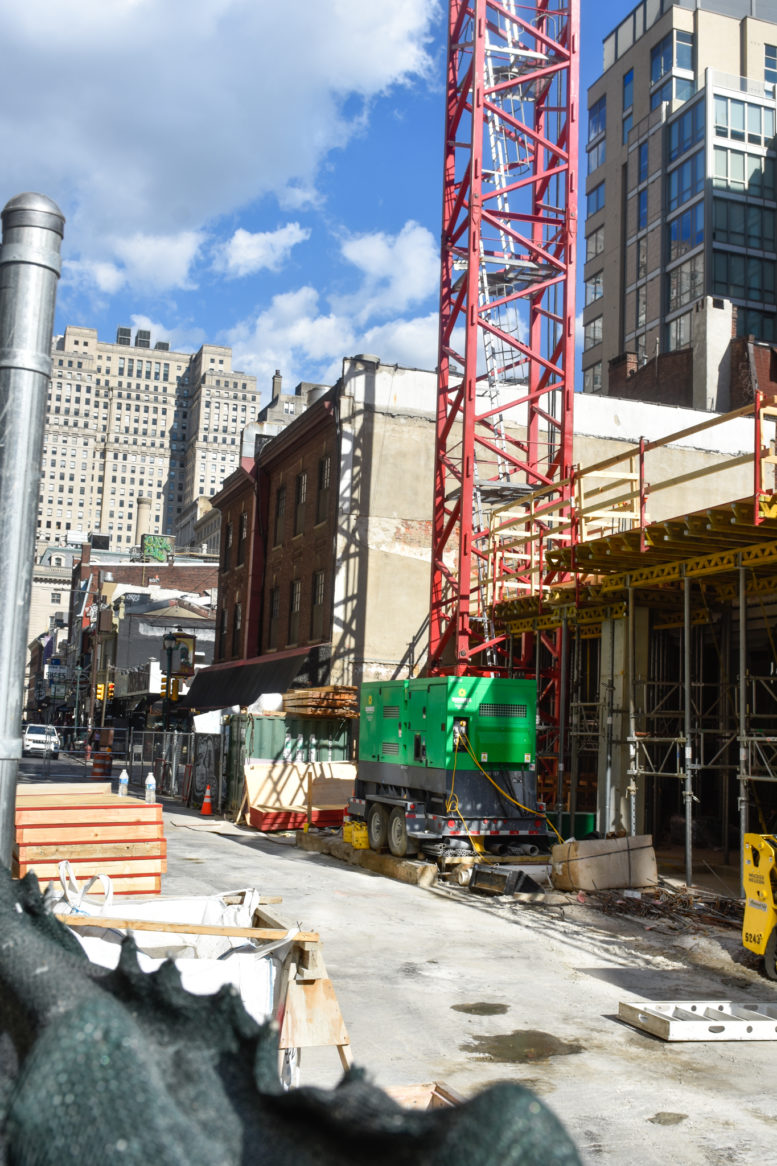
(442, 985)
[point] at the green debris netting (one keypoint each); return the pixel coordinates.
(100, 1066)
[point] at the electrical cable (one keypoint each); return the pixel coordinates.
(504, 793)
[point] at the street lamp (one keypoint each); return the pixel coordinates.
(169, 641)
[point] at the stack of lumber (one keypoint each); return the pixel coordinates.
(285, 795)
(96, 831)
(335, 700)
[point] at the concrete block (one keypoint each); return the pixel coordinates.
(599, 864)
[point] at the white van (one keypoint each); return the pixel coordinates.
(40, 739)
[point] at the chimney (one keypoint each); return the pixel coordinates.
(277, 381)
(142, 519)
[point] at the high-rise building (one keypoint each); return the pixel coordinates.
(680, 188)
(125, 421)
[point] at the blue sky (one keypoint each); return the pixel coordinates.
(232, 175)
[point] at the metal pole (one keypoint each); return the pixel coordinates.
(633, 765)
(688, 792)
(562, 723)
(742, 722)
(33, 226)
(166, 717)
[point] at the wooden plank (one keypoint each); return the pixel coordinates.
(136, 885)
(258, 933)
(97, 832)
(312, 1017)
(57, 788)
(84, 868)
(141, 812)
(155, 846)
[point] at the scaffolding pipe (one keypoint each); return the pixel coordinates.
(688, 793)
(742, 721)
(32, 228)
(606, 825)
(574, 770)
(630, 649)
(562, 722)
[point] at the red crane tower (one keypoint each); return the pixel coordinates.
(506, 341)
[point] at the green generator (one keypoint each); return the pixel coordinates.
(447, 760)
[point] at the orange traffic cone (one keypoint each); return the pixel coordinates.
(207, 805)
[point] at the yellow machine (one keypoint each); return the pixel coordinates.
(759, 929)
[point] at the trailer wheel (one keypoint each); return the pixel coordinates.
(397, 833)
(770, 955)
(377, 826)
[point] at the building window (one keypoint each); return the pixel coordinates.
(641, 258)
(686, 282)
(592, 378)
(317, 606)
(295, 596)
(242, 537)
(300, 495)
(324, 480)
(237, 623)
(628, 125)
(595, 199)
(751, 322)
(770, 63)
(743, 224)
(661, 59)
(56, 597)
(642, 163)
(227, 547)
(642, 210)
(596, 155)
(594, 244)
(744, 121)
(674, 51)
(686, 231)
(628, 89)
(750, 174)
(686, 180)
(223, 632)
(592, 333)
(641, 306)
(274, 620)
(280, 514)
(687, 130)
(743, 277)
(678, 332)
(597, 118)
(594, 288)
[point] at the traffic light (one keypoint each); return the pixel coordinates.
(100, 693)
(163, 686)
(174, 686)
(111, 687)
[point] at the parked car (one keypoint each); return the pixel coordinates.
(40, 739)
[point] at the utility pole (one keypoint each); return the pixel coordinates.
(33, 227)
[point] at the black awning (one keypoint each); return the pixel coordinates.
(224, 685)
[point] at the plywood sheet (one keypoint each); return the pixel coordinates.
(284, 784)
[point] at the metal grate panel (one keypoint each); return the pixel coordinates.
(514, 711)
(390, 712)
(389, 747)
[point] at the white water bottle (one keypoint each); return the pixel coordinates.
(123, 783)
(150, 788)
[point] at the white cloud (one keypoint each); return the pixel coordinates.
(159, 261)
(411, 343)
(398, 270)
(154, 120)
(246, 252)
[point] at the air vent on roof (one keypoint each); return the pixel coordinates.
(123, 336)
(142, 338)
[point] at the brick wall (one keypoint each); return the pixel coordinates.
(665, 381)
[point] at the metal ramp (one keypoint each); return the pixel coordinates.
(701, 1020)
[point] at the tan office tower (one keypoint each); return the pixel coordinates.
(679, 245)
(128, 420)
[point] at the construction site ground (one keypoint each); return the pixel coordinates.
(440, 984)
